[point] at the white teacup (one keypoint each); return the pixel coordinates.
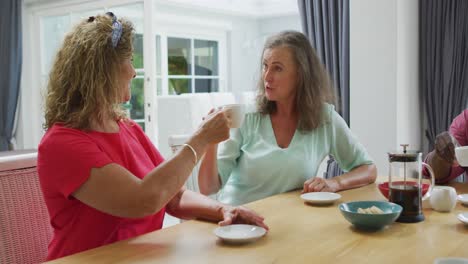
(443, 198)
(235, 112)
(462, 155)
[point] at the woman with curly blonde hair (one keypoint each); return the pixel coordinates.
(280, 146)
(102, 178)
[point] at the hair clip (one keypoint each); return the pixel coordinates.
(116, 29)
(91, 19)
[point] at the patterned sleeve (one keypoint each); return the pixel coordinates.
(345, 148)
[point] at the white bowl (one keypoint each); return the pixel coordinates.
(320, 197)
(462, 155)
(239, 233)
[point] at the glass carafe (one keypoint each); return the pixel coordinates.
(407, 187)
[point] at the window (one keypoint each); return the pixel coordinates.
(192, 65)
(186, 61)
(200, 46)
(54, 29)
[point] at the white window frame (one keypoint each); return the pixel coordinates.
(221, 41)
(153, 23)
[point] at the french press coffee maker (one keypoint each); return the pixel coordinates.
(406, 186)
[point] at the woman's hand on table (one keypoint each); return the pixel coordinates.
(317, 184)
(241, 215)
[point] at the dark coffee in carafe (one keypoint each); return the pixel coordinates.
(405, 183)
(409, 197)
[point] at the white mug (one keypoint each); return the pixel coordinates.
(234, 112)
(462, 155)
(443, 198)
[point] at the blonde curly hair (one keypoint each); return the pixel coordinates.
(83, 83)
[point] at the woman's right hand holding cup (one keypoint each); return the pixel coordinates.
(215, 127)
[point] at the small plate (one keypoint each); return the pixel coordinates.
(463, 217)
(320, 197)
(463, 198)
(239, 233)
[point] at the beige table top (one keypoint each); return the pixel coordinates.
(299, 233)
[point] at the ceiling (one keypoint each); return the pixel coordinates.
(254, 8)
(243, 7)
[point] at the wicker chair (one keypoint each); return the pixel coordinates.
(25, 230)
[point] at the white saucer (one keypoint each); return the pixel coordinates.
(320, 197)
(463, 217)
(463, 198)
(239, 233)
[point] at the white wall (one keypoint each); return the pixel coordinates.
(273, 25)
(383, 76)
(244, 47)
(409, 117)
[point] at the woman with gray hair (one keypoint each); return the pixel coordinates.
(279, 147)
(102, 178)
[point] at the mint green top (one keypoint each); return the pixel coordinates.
(252, 166)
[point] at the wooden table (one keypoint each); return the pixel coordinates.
(299, 233)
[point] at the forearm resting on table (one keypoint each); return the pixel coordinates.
(189, 205)
(357, 177)
(208, 177)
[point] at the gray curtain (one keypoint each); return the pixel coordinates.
(326, 23)
(10, 67)
(443, 64)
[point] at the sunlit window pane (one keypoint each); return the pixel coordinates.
(138, 51)
(138, 99)
(54, 29)
(158, 55)
(179, 56)
(180, 86)
(206, 85)
(206, 57)
(159, 86)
